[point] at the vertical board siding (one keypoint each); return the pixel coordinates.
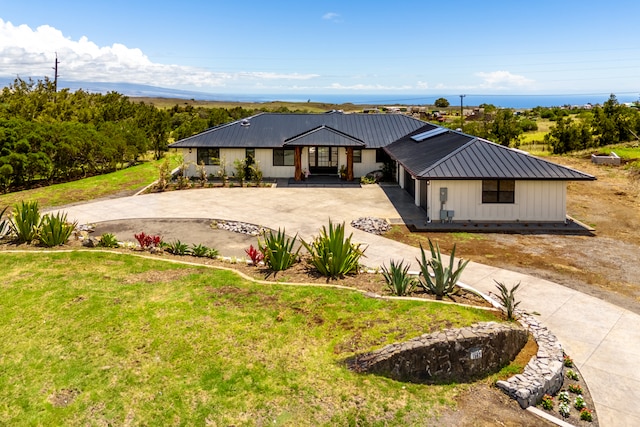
(534, 201)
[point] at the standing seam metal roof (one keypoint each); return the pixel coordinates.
(454, 155)
(271, 130)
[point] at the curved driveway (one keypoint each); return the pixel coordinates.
(603, 339)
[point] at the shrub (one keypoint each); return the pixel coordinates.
(278, 250)
(108, 240)
(444, 278)
(398, 279)
(332, 254)
(182, 178)
(564, 409)
(55, 230)
(508, 298)
(240, 170)
(164, 175)
(212, 253)
(256, 173)
(576, 389)
(568, 362)
(572, 375)
(177, 248)
(579, 402)
(148, 241)
(199, 250)
(26, 221)
(547, 402)
(201, 172)
(254, 255)
(586, 415)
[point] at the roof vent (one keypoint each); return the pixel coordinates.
(245, 123)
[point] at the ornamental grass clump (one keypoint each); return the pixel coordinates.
(332, 254)
(278, 250)
(444, 278)
(399, 281)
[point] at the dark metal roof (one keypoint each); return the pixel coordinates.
(272, 130)
(324, 135)
(454, 155)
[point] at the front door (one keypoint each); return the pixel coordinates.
(323, 160)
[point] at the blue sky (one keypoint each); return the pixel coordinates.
(322, 47)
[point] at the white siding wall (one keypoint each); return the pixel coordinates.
(534, 201)
(368, 164)
(265, 157)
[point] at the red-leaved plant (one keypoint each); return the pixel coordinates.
(147, 240)
(254, 254)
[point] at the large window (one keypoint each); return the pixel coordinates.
(357, 155)
(498, 191)
(283, 157)
(209, 156)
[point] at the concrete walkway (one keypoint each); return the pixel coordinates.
(603, 339)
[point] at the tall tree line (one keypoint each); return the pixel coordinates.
(48, 136)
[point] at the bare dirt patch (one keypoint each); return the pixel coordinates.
(63, 397)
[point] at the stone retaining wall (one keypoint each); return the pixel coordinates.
(544, 372)
(452, 354)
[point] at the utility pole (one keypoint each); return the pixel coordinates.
(55, 76)
(461, 113)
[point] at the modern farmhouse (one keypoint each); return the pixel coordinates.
(451, 175)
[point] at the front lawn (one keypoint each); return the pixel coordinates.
(92, 338)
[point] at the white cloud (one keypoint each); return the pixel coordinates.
(28, 52)
(332, 16)
(503, 80)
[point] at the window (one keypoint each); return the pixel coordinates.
(498, 191)
(357, 155)
(250, 155)
(382, 156)
(283, 157)
(209, 156)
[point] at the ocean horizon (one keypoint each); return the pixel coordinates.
(501, 101)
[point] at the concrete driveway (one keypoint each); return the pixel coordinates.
(603, 339)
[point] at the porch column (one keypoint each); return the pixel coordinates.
(297, 161)
(418, 191)
(349, 163)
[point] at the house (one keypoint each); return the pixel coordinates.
(288, 145)
(451, 175)
(459, 177)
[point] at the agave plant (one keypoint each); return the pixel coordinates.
(398, 279)
(176, 248)
(108, 240)
(508, 298)
(332, 254)
(444, 278)
(4, 223)
(26, 220)
(55, 230)
(199, 250)
(278, 250)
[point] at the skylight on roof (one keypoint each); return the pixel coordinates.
(429, 134)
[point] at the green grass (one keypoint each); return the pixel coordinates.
(125, 180)
(144, 342)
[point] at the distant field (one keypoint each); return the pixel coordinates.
(313, 107)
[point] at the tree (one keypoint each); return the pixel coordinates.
(505, 128)
(441, 103)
